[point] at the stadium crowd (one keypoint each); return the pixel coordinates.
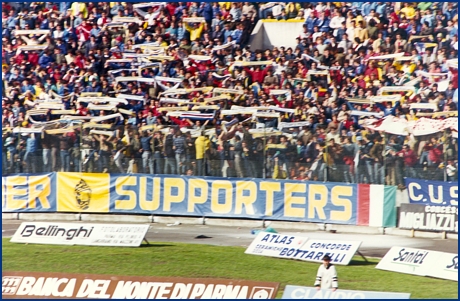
(315, 98)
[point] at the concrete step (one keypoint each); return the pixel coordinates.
(233, 222)
(295, 226)
(178, 219)
(49, 216)
(116, 218)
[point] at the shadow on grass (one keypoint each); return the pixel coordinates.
(154, 245)
(360, 262)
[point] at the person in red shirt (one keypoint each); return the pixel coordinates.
(171, 7)
(347, 122)
(79, 60)
(361, 82)
(435, 153)
(258, 74)
(19, 58)
(6, 7)
(410, 159)
(33, 58)
(83, 32)
(372, 69)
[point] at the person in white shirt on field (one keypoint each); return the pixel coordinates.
(326, 277)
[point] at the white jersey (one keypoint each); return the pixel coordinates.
(327, 277)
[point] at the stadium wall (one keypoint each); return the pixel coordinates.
(267, 33)
(201, 197)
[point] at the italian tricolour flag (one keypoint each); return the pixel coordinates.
(376, 205)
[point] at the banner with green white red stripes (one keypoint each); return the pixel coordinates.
(376, 205)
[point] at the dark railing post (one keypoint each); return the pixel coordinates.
(264, 162)
(80, 167)
(445, 144)
(384, 159)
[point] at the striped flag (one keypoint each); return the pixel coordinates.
(376, 205)
(420, 47)
(193, 116)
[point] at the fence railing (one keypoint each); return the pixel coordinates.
(259, 156)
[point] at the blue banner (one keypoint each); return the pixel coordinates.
(426, 192)
(29, 193)
(234, 198)
(184, 196)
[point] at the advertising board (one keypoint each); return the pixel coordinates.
(420, 262)
(428, 192)
(303, 292)
(429, 217)
(23, 285)
(302, 248)
(57, 233)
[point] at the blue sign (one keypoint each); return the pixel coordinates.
(432, 192)
(303, 292)
(29, 193)
(285, 200)
(239, 198)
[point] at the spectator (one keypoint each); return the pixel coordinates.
(170, 161)
(328, 77)
(147, 158)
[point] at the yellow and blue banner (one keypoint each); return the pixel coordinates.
(29, 193)
(234, 198)
(285, 200)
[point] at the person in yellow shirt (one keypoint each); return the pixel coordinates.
(361, 32)
(278, 171)
(195, 32)
(227, 5)
(360, 18)
(408, 11)
(79, 7)
(407, 66)
(162, 42)
(39, 89)
(292, 9)
(202, 145)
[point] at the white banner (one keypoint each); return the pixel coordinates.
(303, 292)
(387, 56)
(127, 96)
(297, 124)
(194, 20)
(446, 267)
(275, 245)
(420, 262)
(117, 235)
(341, 252)
(302, 248)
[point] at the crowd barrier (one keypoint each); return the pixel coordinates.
(277, 200)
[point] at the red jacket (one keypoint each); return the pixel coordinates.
(180, 122)
(410, 159)
(257, 76)
(83, 30)
(435, 154)
(33, 58)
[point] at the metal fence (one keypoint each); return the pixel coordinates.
(434, 157)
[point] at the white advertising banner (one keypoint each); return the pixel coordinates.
(276, 245)
(303, 248)
(118, 235)
(420, 262)
(341, 252)
(446, 267)
(303, 292)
